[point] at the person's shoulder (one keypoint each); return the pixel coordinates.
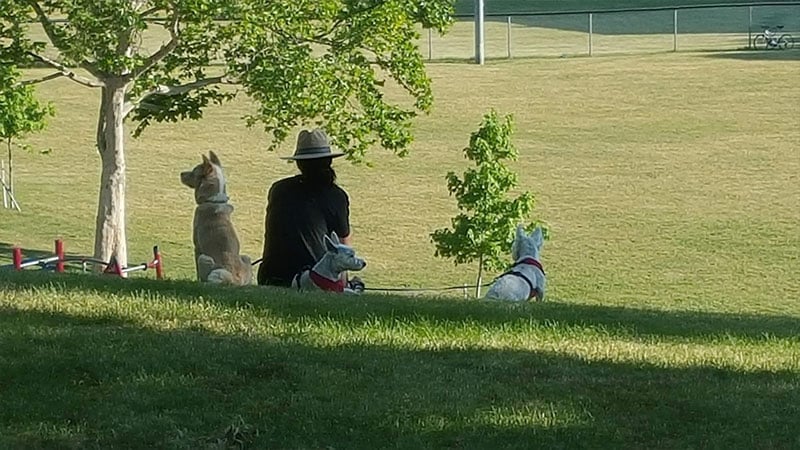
(339, 192)
(285, 184)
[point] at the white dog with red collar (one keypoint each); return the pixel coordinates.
(327, 273)
(526, 279)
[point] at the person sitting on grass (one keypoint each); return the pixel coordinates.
(302, 210)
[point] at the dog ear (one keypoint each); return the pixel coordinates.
(208, 168)
(330, 245)
(520, 234)
(214, 158)
(538, 237)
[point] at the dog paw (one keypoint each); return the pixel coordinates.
(356, 285)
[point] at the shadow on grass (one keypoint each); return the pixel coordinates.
(7, 252)
(629, 323)
(729, 19)
(760, 55)
(70, 381)
(7, 258)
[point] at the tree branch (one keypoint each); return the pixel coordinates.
(47, 24)
(162, 52)
(66, 72)
(52, 76)
(50, 30)
(175, 90)
(338, 22)
(150, 11)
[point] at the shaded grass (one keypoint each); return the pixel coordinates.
(721, 29)
(534, 6)
(90, 362)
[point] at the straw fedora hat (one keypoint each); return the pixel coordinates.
(312, 144)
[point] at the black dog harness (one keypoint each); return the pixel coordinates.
(534, 292)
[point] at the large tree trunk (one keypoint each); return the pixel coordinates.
(110, 239)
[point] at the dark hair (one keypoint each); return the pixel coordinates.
(317, 171)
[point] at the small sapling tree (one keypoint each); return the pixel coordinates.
(484, 229)
(20, 114)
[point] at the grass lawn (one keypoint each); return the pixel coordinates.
(667, 179)
(93, 363)
(670, 183)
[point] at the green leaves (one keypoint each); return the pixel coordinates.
(484, 230)
(20, 112)
(326, 62)
(305, 62)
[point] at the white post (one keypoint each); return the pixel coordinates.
(3, 183)
(675, 30)
(479, 35)
(508, 36)
(591, 26)
(8, 197)
(430, 44)
(10, 179)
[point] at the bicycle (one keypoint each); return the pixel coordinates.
(771, 39)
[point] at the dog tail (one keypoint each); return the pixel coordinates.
(220, 275)
(211, 272)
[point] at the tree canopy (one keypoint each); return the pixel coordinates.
(320, 62)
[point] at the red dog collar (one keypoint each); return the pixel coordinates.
(326, 284)
(530, 262)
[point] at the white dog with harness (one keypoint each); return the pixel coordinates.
(327, 273)
(526, 279)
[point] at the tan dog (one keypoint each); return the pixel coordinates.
(216, 247)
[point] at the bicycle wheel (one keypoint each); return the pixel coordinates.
(760, 41)
(785, 41)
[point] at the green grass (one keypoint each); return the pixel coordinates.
(667, 180)
(670, 185)
(100, 363)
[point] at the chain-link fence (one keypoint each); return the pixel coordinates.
(729, 27)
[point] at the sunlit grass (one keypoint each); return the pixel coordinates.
(668, 180)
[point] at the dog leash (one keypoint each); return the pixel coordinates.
(393, 289)
(447, 288)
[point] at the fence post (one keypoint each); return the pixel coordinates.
(508, 36)
(430, 44)
(159, 263)
(591, 26)
(675, 30)
(750, 29)
(60, 254)
(17, 257)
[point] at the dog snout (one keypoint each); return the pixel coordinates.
(363, 263)
(186, 178)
